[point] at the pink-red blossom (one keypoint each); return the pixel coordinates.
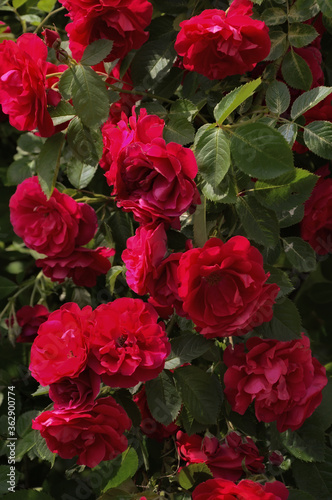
(282, 379)
(93, 435)
(223, 287)
(217, 44)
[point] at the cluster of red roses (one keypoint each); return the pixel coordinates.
(58, 227)
(120, 343)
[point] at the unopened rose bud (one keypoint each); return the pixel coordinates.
(52, 39)
(276, 458)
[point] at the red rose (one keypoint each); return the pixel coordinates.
(52, 227)
(223, 287)
(217, 44)
(143, 254)
(163, 288)
(82, 265)
(122, 21)
(23, 68)
(77, 393)
(116, 137)
(149, 426)
(221, 489)
(128, 344)
(94, 435)
(61, 347)
(225, 460)
(282, 378)
(316, 226)
(29, 319)
(155, 181)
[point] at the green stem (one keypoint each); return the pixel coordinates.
(47, 18)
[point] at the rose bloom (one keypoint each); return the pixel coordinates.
(143, 128)
(222, 489)
(155, 181)
(316, 225)
(23, 97)
(127, 343)
(217, 44)
(223, 287)
(83, 266)
(149, 426)
(75, 393)
(94, 435)
(52, 227)
(61, 347)
(29, 319)
(143, 254)
(225, 460)
(163, 288)
(282, 379)
(122, 21)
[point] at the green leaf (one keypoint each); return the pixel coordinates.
(201, 393)
(163, 399)
(225, 192)
(24, 421)
(277, 97)
(281, 279)
(62, 113)
(300, 254)
(308, 100)
(287, 191)
(300, 35)
(194, 474)
(184, 107)
(18, 3)
(302, 10)
(326, 7)
(153, 61)
(80, 174)
(31, 18)
(42, 449)
(307, 443)
(189, 424)
(273, 16)
(65, 84)
(233, 99)
(289, 132)
(315, 478)
(96, 52)
(7, 287)
(260, 223)
(168, 85)
(285, 324)
(48, 163)
(318, 138)
(212, 153)
(260, 151)
(90, 97)
(290, 217)
(125, 467)
(24, 445)
(186, 348)
(46, 5)
(322, 416)
(179, 130)
(20, 170)
(86, 143)
(279, 44)
(296, 71)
